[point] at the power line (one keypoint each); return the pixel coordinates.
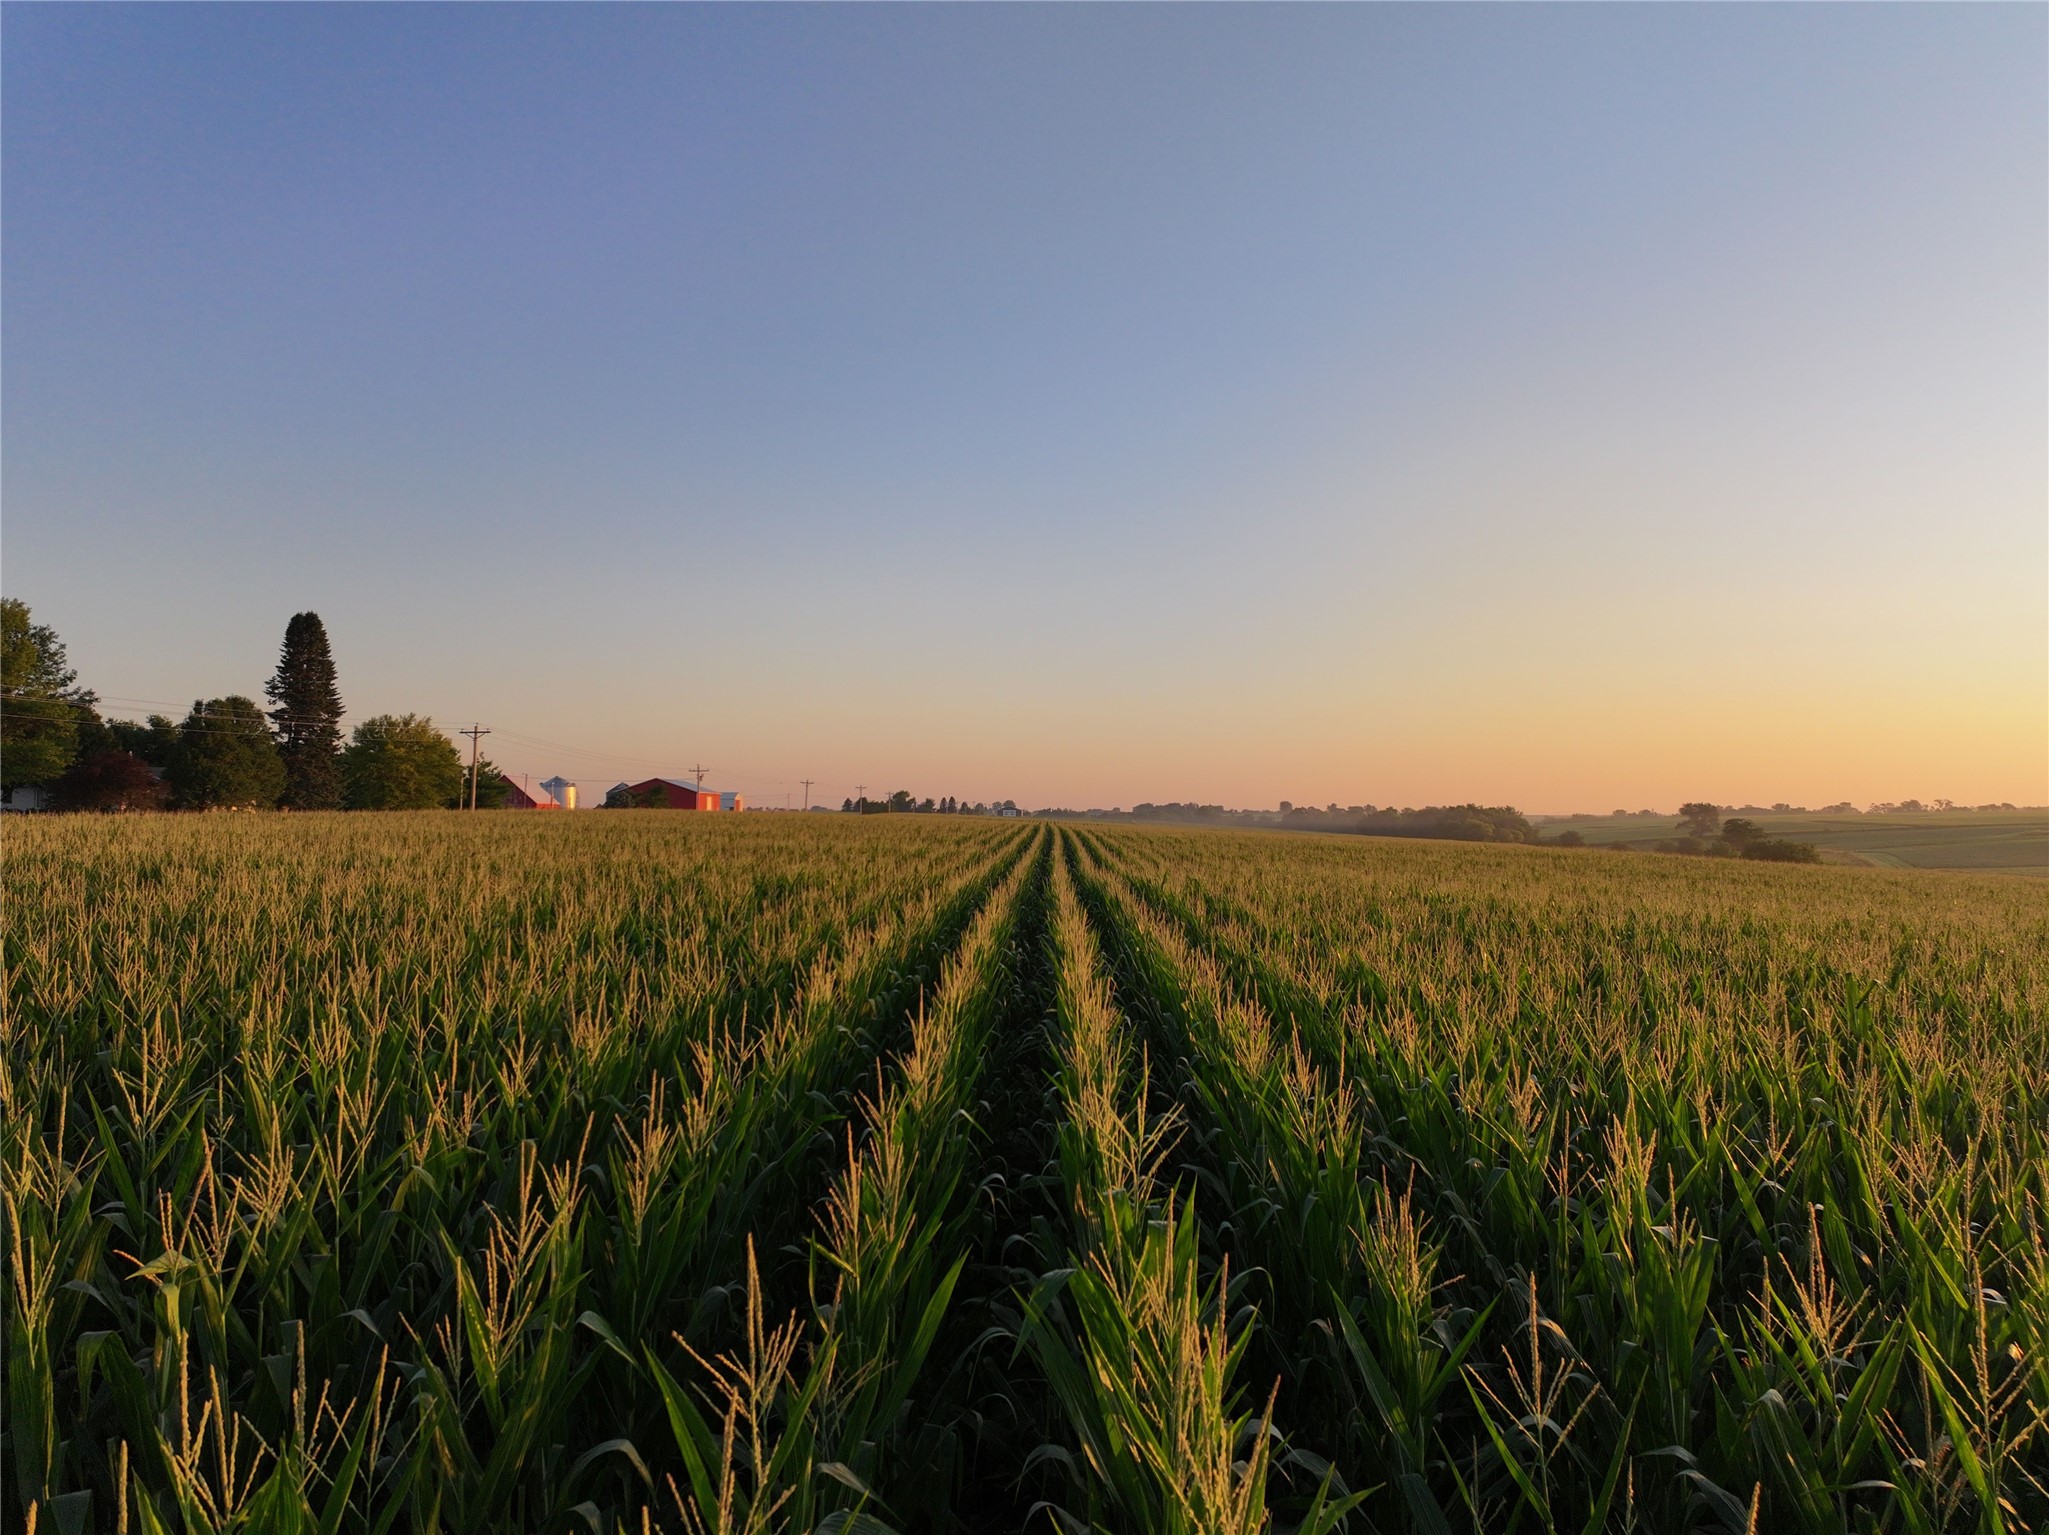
(221, 724)
(118, 703)
(114, 705)
(595, 753)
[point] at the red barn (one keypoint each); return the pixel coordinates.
(673, 794)
(518, 797)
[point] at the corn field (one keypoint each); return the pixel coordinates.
(636, 1173)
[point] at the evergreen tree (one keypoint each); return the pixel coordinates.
(308, 716)
(226, 759)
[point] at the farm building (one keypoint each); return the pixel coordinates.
(520, 796)
(731, 801)
(667, 794)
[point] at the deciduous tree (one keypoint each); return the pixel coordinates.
(1739, 833)
(109, 781)
(226, 758)
(400, 762)
(155, 741)
(1697, 818)
(38, 708)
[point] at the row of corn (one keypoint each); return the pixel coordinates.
(377, 1245)
(1641, 1247)
(626, 1173)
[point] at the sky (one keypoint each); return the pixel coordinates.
(1572, 407)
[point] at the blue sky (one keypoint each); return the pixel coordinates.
(1567, 406)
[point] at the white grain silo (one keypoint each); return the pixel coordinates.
(563, 789)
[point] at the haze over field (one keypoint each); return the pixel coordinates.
(1566, 407)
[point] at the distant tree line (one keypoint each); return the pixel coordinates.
(1454, 823)
(1841, 807)
(1704, 832)
(903, 802)
(227, 753)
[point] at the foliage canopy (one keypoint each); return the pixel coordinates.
(38, 710)
(401, 762)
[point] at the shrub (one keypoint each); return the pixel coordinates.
(1780, 850)
(111, 780)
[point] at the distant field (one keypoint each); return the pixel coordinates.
(1993, 841)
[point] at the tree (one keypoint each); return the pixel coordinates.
(492, 787)
(108, 781)
(400, 762)
(226, 758)
(900, 801)
(91, 735)
(38, 708)
(1470, 823)
(1698, 818)
(847, 805)
(155, 741)
(1739, 833)
(308, 716)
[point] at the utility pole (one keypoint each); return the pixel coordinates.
(807, 783)
(861, 789)
(476, 733)
(697, 775)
